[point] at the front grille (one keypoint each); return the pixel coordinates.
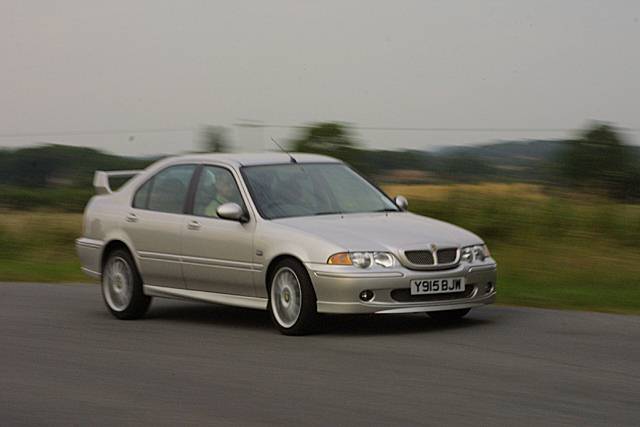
(447, 256)
(419, 257)
(404, 295)
(443, 258)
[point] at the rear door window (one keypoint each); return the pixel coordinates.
(168, 189)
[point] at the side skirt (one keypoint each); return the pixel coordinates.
(227, 299)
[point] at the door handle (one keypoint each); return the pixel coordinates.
(193, 225)
(131, 217)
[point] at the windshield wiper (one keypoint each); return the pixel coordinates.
(327, 213)
(386, 210)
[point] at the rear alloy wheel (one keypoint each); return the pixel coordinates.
(448, 315)
(122, 287)
(292, 300)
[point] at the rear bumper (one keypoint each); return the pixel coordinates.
(338, 289)
(90, 252)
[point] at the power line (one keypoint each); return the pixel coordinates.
(426, 129)
(285, 126)
(95, 132)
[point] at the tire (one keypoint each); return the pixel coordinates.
(448, 315)
(292, 299)
(122, 286)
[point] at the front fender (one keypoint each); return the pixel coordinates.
(272, 241)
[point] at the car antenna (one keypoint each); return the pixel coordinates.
(293, 160)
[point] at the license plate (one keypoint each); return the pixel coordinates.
(437, 286)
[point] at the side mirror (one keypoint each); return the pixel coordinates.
(231, 211)
(402, 203)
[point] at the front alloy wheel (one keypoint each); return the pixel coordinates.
(292, 300)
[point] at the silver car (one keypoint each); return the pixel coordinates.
(297, 235)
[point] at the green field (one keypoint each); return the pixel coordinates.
(554, 250)
(39, 246)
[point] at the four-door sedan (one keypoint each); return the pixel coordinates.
(297, 235)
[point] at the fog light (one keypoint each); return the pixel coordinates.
(366, 296)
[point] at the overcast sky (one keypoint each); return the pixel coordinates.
(70, 66)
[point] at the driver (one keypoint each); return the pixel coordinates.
(224, 192)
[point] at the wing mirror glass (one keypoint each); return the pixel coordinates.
(402, 203)
(232, 211)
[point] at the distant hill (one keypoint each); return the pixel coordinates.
(523, 161)
(59, 165)
(67, 166)
(530, 160)
(513, 150)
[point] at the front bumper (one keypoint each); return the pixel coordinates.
(338, 288)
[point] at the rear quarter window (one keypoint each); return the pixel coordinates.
(141, 197)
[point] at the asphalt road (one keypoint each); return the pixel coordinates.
(64, 360)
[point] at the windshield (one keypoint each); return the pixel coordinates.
(294, 189)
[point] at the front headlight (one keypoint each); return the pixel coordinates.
(467, 254)
(383, 259)
(475, 253)
(362, 259)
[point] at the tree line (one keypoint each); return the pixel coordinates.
(596, 161)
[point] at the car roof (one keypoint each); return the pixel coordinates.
(253, 159)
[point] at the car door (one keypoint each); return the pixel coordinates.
(155, 223)
(217, 253)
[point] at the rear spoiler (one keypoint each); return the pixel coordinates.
(101, 179)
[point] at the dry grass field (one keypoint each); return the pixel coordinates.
(441, 192)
